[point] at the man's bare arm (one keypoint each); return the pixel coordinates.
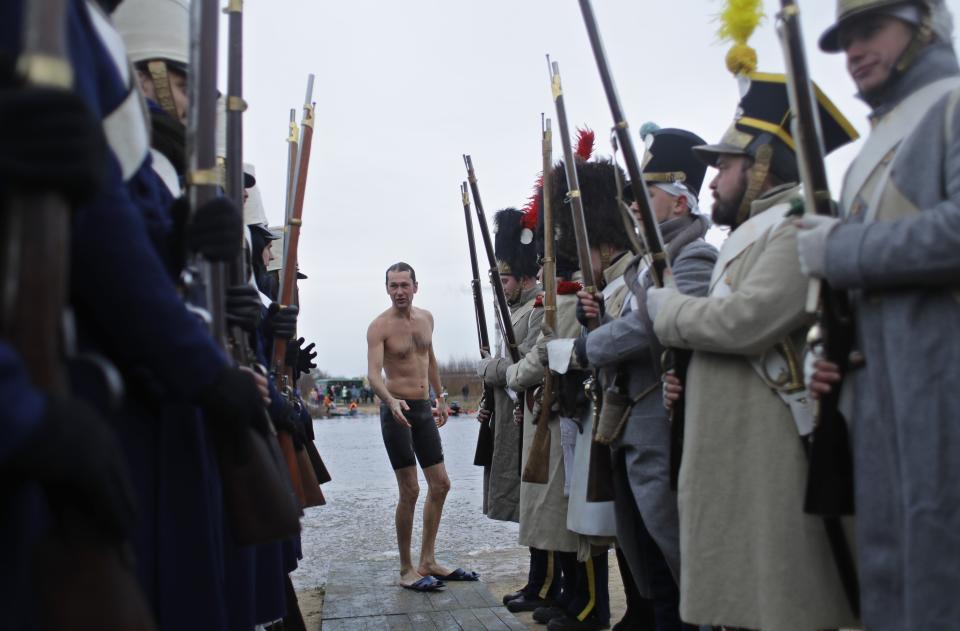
(433, 374)
(375, 363)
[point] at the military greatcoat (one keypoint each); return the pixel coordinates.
(501, 480)
(899, 253)
(750, 556)
(642, 484)
(543, 507)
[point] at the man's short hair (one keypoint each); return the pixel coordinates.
(399, 267)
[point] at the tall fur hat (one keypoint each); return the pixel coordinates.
(513, 255)
(598, 190)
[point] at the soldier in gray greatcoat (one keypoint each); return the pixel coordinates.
(897, 251)
(648, 531)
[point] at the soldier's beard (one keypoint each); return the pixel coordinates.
(724, 211)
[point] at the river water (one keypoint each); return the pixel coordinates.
(357, 523)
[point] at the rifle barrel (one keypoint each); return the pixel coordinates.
(549, 241)
(203, 177)
(573, 189)
(483, 335)
(659, 267)
(506, 326)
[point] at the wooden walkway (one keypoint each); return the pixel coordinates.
(365, 596)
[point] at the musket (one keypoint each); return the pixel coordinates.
(500, 297)
(288, 271)
(93, 567)
(537, 469)
(830, 481)
(299, 463)
(676, 360)
(500, 306)
(257, 499)
(600, 477)
(483, 455)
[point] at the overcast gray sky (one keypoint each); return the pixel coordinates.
(404, 88)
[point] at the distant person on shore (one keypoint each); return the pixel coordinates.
(400, 345)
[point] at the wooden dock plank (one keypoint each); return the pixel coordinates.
(466, 620)
(420, 621)
(366, 597)
(491, 621)
(444, 621)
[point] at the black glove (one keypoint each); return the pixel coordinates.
(50, 140)
(281, 322)
(244, 308)
(287, 420)
(77, 458)
(582, 317)
(234, 401)
(300, 357)
(216, 231)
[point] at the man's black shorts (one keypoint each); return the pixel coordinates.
(422, 438)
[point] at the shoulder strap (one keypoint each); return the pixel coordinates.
(744, 236)
(889, 132)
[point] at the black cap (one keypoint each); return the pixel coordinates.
(763, 115)
(263, 231)
(598, 191)
(513, 255)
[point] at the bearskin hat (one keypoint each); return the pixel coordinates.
(598, 190)
(513, 255)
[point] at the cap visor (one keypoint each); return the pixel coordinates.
(708, 154)
(829, 42)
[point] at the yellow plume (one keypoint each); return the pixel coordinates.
(738, 20)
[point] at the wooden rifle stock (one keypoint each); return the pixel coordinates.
(600, 477)
(829, 490)
(483, 455)
(537, 469)
(83, 578)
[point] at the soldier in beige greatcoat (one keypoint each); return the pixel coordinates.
(750, 557)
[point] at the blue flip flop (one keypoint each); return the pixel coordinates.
(425, 584)
(459, 574)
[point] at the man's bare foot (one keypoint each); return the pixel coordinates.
(410, 577)
(433, 569)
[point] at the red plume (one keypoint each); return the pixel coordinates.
(585, 138)
(532, 209)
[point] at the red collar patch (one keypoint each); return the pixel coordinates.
(567, 287)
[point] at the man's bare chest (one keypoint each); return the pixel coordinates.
(405, 341)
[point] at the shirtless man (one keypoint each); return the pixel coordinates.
(400, 344)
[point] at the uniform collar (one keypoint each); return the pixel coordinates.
(774, 196)
(528, 295)
(937, 61)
